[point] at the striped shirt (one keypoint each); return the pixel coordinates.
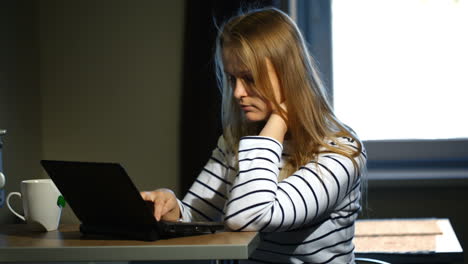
(306, 218)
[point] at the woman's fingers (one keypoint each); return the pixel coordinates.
(158, 207)
(160, 202)
(164, 202)
(144, 195)
(283, 106)
(170, 210)
(274, 80)
(157, 202)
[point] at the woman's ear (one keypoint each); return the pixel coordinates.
(274, 80)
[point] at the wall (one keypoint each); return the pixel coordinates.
(20, 110)
(110, 82)
(92, 81)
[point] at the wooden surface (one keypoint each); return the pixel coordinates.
(408, 240)
(17, 243)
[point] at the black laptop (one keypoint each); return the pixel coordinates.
(107, 203)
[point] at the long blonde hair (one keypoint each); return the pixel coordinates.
(249, 39)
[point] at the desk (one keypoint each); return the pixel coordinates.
(445, 245)
(18, 244)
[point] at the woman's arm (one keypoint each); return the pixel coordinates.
(206, 197)
(258, 202)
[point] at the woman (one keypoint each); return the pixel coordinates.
(285, 165)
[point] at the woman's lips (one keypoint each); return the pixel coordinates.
(247, 108)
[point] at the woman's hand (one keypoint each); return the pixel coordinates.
(275, 127)
(165, 204)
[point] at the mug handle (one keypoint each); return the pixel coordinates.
(11, 209)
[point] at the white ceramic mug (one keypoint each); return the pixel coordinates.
(42, 210)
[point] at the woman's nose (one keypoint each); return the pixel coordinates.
(239, 90)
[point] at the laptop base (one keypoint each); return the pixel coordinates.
(119, 232)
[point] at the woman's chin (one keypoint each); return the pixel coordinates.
(254, 117)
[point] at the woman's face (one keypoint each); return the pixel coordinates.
(252, 106)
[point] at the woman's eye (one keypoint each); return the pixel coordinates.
(249, 79)
(231, 79)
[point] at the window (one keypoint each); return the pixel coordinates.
(410, 58)
(396, 73)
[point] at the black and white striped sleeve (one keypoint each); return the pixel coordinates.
(257, 201)
(206, 197)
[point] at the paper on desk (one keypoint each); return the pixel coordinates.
(397, 227)
(395, 244)
(403, 236)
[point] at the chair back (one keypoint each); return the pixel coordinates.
(369, 261)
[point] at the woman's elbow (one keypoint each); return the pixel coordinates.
(252, 222)
(233, 224)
